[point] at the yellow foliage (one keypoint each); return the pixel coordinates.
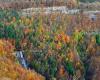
(9, 69)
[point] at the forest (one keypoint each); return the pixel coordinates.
(38, 44)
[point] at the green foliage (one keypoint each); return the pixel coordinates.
(10, 32)
(18, 37)
(69, 67)
(78, 36)
(53, 66)
(81, 49)
(46, 67)
(1, 30)
(98, 39)
(8, 15)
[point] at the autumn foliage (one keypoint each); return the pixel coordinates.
(56, 45)
(10, 69)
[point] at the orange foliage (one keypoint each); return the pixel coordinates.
(71, 56)
(5, 47)
(62, 37)
(27, 30)
(58, 46)
(9, 69)
(61, 71)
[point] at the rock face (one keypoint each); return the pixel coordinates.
(94, 5)
(10, 4)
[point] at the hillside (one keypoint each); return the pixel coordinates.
(10, 69)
